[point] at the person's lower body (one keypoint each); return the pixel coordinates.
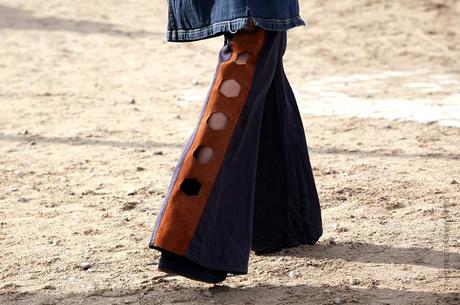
(244, 181)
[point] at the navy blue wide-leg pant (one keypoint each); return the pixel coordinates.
(257, 191)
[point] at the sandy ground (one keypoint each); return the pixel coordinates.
(92, 122)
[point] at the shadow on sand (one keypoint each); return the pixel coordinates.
(376, 254)
(181, 293)
(17, 19)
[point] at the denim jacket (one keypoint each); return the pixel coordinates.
(190, 20)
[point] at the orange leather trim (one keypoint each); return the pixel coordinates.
(183, 212)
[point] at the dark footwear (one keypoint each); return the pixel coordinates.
(179, 265)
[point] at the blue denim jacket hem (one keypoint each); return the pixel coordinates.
(233, 25)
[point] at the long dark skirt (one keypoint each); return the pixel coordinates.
(256, 189)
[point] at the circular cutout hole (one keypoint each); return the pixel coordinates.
(230, 88)
(190, 186)
(203, 154)
(242, 58)
(217, 121)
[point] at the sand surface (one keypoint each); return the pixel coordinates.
(95, 109)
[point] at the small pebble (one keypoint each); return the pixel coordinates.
(85, 265)
(133, 101)
(158, 152)
(339, 228)
(129, 205)
(353, 281)
(454, 182)
(338, 300)
(419, 276)
(151, 190)
(140, 169)
(131, 192)
(294, 274)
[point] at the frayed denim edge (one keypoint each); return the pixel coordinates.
(232, 25)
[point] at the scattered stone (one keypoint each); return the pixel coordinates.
(131, 192)
(133, 101)
(32, 143)
(339, 228)
(53, 242)
(394, 205)
(195, 82)
(140, 169)
(338, 300)
(313, 263)
(89, 232)
(454, 181)
(51, 205)
(353, 281)
(22, 199)
(85, 265)
(129, 205)
(158, 153)
(151, 191)
(49, 287)
(88, 192)
(126, 217)
(294, 274)
(419, 276)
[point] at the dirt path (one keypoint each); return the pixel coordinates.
(93, 120)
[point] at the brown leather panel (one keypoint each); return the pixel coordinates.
(183, 212)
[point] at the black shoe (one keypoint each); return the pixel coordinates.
(179, 265)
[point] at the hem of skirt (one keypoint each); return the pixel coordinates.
(232, 26)
(231, 270)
